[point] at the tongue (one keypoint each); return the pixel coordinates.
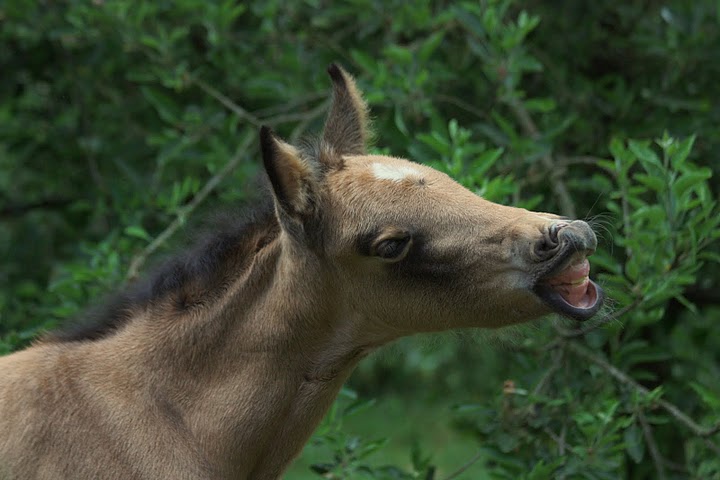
(573, 284)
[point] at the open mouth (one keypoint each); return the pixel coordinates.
(570, 291)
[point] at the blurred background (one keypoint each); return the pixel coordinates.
(124, 121)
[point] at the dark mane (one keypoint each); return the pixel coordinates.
(196, 276)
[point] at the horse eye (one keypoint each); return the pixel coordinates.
(393, 249)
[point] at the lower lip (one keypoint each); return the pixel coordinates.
(586, 306)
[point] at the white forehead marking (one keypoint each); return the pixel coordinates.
(390, 172)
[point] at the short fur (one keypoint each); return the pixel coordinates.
(222, 364)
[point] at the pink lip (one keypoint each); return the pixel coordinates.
(574, 285)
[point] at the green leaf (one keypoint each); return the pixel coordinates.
(485, 161)
(543, 471)
(645, 154)
(368, 63)
(526, 63)
(689, 180)
(152, 42)
(401, 55)
(624, 159)
(687, 303)
(653, 214)
(371, 447)
(710, 256)
(400, 122)
(453, 129)
(655, 394)
(527, 23)
(358, 406)
(505, 125)
(468, 407)
(164, 105)
(347, 392)
(507, 442)
(632, 270)
(430, 45)
(606, 165)
(617, 148)
(634, 444)
(322, 468)
(137, 232)
(656, 183)
(542, 105)
(680, 152)
(436, 142)
(710, 397)
(471, 22)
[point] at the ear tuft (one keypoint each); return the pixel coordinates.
(347, 125)
(335, 73)
(267, 143)
(291, 177)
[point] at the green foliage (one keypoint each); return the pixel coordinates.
(119, 120)
(350, 452)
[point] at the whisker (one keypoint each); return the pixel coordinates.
(600, 195)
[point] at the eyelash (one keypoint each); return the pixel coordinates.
(391, 248)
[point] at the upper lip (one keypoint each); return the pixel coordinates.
(561, 261)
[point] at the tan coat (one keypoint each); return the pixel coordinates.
(222, 365)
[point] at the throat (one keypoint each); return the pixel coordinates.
(273, 375)
(291, 394)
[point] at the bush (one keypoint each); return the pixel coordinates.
(122, 120)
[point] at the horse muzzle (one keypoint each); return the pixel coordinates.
(563, 281)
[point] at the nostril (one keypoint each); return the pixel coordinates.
(550, 241)
(544, 249)
(554, 230)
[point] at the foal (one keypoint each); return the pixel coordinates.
(221, 366)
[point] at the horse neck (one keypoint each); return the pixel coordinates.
(254, 374)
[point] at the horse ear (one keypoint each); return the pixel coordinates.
(346, 129)
(292, 178)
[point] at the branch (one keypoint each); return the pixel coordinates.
(566, 161)
(563, 432)
(229, 104)
(467, 465)
(567, 206)
(16, 210)
(554, 367)
(627, 229)
(458, 102)
(303, 117)
(652, 446)
(297, 103)
(308, 117)
(603, 321)
(559, 439)
(621, 376)
(139, 259)
(676, 467)
(297, 116)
